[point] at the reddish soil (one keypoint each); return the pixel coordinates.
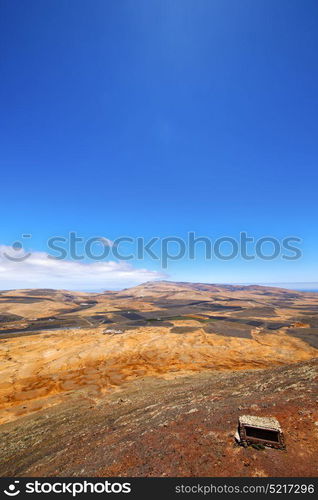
(180, 427)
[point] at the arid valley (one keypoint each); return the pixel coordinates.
(150, 381)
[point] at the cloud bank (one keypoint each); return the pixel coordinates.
(40, 271)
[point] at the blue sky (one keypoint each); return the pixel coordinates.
(156, 118)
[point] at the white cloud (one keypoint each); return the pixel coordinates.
(40, 271)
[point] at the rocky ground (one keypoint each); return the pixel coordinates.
(180, 427)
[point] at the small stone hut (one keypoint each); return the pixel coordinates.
(260, 430)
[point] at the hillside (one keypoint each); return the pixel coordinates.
(180, 427)
(65, 353)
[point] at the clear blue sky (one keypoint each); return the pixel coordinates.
(155, 118)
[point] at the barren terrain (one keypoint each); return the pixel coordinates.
(174, 363)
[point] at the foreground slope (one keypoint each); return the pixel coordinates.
(180, 427)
